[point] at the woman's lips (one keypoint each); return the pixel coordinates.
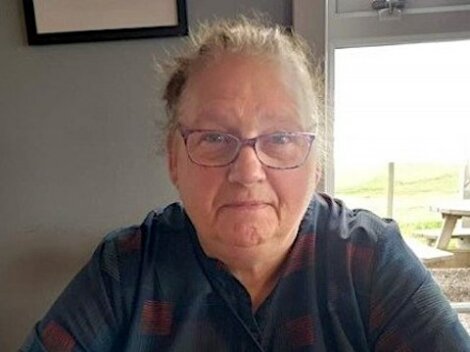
(246, 205)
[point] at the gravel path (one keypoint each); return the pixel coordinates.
(455, 283)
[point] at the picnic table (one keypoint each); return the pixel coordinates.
(451, 212)
(428, 254)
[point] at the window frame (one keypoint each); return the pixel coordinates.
(432, 21)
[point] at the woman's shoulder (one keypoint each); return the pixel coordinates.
(156, 225)
(139, 247)
(331, 217)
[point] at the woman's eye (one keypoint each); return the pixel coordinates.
(213, 138)
(280, 139)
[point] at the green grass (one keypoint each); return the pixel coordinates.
(416, 188)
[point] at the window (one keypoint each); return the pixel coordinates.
(407, 105)
(396, 95)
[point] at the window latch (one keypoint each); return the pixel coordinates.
(389, 9)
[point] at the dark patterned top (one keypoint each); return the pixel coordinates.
(349, 284)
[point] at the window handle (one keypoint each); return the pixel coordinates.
(390, 5)
(389, 9)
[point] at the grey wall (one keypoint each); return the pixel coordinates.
(77, 152)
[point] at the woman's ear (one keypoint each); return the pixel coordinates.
(172, 158)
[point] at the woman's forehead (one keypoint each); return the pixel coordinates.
(246, 124)
(232, 113)
(235, 86)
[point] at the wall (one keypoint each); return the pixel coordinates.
(77, 152)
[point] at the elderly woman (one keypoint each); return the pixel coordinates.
(252, 259)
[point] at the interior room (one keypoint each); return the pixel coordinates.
(81, 153)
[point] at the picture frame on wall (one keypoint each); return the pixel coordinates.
(72, 21)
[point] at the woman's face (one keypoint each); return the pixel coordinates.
(245, 205)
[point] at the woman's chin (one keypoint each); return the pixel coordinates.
(243, 235)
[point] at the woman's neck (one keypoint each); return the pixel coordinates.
(257, 268)
(259, 281)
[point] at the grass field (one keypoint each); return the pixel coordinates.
(417, 187)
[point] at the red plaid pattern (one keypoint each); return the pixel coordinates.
(302, 255)
(357, 254)
(157, 318)
(301, 331)
(377, 315)
(131, 243)
(391, 341)
(57, 339)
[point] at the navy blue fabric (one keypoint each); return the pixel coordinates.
(349, 284)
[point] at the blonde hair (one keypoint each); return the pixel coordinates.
(249, 36)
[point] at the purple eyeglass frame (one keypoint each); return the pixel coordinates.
(186, 132)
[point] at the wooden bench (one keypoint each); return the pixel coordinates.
(463, 234)
(461, 307)
(428, 254)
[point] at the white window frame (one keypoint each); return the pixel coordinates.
(432, 21)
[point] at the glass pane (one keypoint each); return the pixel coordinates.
(408, 105)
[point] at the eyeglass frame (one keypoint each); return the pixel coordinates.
(186, 132)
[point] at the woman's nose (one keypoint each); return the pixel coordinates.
(247, 168)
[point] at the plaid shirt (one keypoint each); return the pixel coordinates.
(349, 284)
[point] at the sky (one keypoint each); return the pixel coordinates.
(403, 103)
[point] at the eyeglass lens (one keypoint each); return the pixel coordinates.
(278, 150)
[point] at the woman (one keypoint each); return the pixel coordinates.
(253, 259)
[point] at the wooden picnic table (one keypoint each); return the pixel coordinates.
(451, 212)
(427, 254)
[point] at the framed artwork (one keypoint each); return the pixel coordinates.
(71, 21)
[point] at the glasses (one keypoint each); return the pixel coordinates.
(279, 150)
